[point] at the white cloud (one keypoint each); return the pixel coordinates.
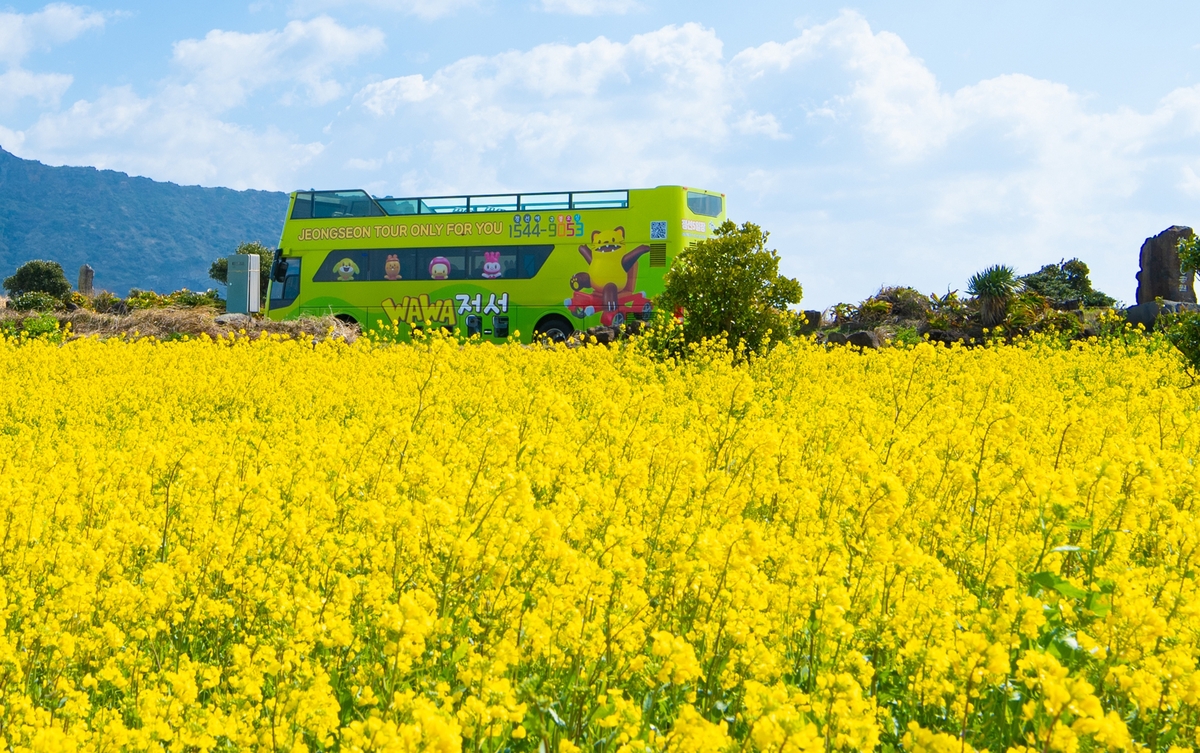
(22, 33)
(46, 88)
(165, 139)
(590, 7)
(614, 112)
(427, 10)
(177, 133)
(751, 123)
(384, 97)
(226, 66)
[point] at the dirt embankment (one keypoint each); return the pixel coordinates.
(171, 323)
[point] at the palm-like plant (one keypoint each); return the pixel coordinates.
(994, 287)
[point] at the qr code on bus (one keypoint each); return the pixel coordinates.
(658, 231)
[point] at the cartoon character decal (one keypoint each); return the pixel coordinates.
(608, 285)
(345, 270)
(391, 268)
(439, 268)
(491, 265)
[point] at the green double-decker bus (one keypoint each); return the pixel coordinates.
(493, 266)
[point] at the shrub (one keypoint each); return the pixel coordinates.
(994, 287)
(730, 285)
(144, 299)
(107, 303)
(1183, 331)
(190, 299)
(39, 276)
(34, 301)
(947, 310)
(1064, 283)
(41, 325)
(906, 303)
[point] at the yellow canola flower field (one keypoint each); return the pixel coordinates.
(279, 546)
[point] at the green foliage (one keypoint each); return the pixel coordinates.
(994, 287)
(730, 285)
(1064, 282)
(946, 311)
(38, 276)
(1189, 255)
(905, 302)
(1183, 331)
(144, 299)
(107, 303)
(906, 336)
(873, 311)
(190, 299)
(219, 269)
(38, 325)
(34, 301)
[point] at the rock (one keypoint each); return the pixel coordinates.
(71, 306)
(939, 336)
(87, 276)
(233, 319)
(863, 339)
(812, 320)
(835, 338)
(1159, 276)
(1146, 314)
(604, 335)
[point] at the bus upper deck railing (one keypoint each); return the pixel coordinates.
(357, 203)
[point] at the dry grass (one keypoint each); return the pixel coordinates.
(171, 322)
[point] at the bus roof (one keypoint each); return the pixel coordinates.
(358, 203)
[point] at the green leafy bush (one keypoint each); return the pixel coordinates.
(1183, 331)
(994, 287)
(34, 301)
(730, 286)
(144, 299)
(107, 303)
(39, 276)
(1066, 282)
(947, 311)
(190, 299)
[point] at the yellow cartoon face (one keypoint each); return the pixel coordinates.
(608, 241)
(345, 270)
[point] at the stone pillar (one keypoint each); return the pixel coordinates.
(1159, 276)
(86, 276)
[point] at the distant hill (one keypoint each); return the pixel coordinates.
(135, 232)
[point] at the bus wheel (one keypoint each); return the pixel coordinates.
(553, 328)
(347, 320)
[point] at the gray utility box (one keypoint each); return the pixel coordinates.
(244, 296)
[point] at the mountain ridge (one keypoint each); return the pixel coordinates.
(135, 232)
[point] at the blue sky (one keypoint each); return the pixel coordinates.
(879, 143)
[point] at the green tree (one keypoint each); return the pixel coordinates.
(730, 285)
(219, 269)
(1189, 256)
(994, 287)
(38, 276)
(1066, 281)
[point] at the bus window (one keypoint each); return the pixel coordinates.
(343, 266)
(492, 263)
(704, 204)
(284, 293)
(441, 264)
(326, 204)
(532, 259)
(393, 264)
